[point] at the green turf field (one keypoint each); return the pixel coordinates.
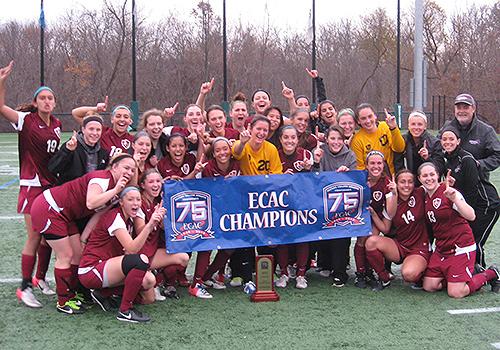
(320, 317)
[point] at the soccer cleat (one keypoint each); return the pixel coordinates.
(325, 273)
(70, 307)
(380, 285)
(43, 286)
(282, 281)
(337, 282)
(106, 304)
(27, 297)
(82, 300)
(170, 292)
(495, 283)
(133, 316)
(360, 280)
(214, 284)
(158, 295)
(417, 285)
(236, 282)
(199, 292)
(292, 271)
(300, 282)
(219, 277)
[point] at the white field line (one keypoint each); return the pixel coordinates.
(11, 217)
(18, 280)
(8, 153)
(474, 311)
(496, 345)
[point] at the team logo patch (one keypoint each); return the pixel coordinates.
(233, 173)
(342, 202)
(411, 202)
(298, 165)
(191, 216)
(57, 131)
(436, 202)
(125, 143)
(185, 169)
(377, 195)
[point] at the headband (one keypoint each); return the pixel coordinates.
(120, 107)
(344, 111)
(40, 89)
(127, 190)
(91, 118)
(221, 138)
(374, 153)
(418, 114)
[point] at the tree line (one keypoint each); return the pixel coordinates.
(88, 56)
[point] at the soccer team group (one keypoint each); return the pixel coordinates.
(95, 200)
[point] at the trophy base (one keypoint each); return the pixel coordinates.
(258, 297)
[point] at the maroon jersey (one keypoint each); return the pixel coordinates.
(192, 147)
(151, 245)
(38, 142)
(307, 141)
(450, 229)
(70, 198)
(294, 161)
(409, 221)
(379, 192)
(167, 168)
(212, 170)
(114, 144)
(102, 243)
(229, 133)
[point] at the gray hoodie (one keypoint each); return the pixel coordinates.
(331, 162)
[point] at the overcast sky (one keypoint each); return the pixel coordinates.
(286, 14)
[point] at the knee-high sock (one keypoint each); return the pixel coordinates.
(133, 284)
(282, 252)
(360, 258)
(480, 279)
(63, 285)
(302, 253)
(27, 265)
(44, 252)
(377, 261)
(218, 264)
(202, 261)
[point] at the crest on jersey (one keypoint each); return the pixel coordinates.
(298, 165)
(343, 204)
(125, 143)
(191, 216)
(411, 202)
(185, 169)
(57, 131)
(233, 173)
(436, 202)
(377, 195)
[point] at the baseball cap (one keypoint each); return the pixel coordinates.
(465, 98)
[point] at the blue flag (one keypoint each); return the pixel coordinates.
(41, 20)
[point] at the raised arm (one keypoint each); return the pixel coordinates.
(205, 88)
(80, 112)
(289, 96)
(7, 112)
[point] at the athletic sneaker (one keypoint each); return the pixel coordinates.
(199, 292)
(301, 282)
(337, 282)
(325, 273)
(70, 307)
(495, 283)
(43, 286)
(360, 280)
(105, 303)
(133, 316)
(82, 300)
(417, 285)
(236, 282)
(214, 284)
(282, 281)
(380, 285)
(27, 297)
(219, 277)
(158, 295)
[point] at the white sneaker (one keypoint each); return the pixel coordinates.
(282, 281)
(158, 296)
(199, 292)
(43, 286)
(301, 282)
(28, 298)
(214, 284)
(325, 273)
(236, 282)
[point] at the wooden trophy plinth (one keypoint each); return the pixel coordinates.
(264, 269)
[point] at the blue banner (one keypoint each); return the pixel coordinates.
(249, 211)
